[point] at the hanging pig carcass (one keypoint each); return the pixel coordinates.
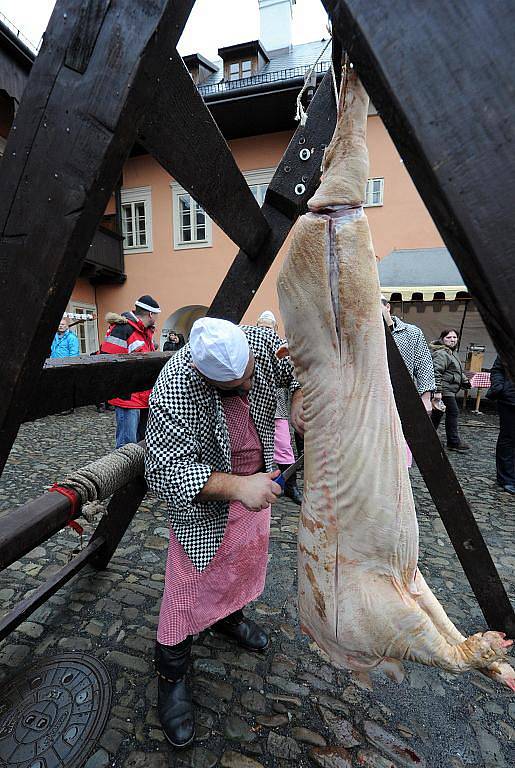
(361, 596)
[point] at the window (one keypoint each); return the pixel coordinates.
(137, 219)
(237, 70)
(86, 330)
(259, 192)
(191, 224)
(258, 182)
(374, 193)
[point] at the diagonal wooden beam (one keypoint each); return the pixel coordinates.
(90, 88)
(294, 182)
(448, 496)
(441, 77)
(181, 134)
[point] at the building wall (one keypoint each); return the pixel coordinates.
(178, 278)
(84, 292)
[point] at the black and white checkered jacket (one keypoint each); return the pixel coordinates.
(415, 353)
(187, 439)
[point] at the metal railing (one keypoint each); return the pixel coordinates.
(21, 37)
(266, 77)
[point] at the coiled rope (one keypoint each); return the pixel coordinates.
(101, 478)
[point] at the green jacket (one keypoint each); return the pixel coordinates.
(449, 374)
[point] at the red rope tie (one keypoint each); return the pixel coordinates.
(73, 498)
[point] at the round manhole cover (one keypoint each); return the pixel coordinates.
(52, 714)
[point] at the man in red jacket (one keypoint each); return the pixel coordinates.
(131, 333)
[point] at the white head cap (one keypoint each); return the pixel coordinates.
(219, 349)
(267, 316)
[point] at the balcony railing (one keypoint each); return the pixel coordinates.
(226, 86)
(21, 37)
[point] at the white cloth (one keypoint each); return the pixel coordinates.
(219, 349)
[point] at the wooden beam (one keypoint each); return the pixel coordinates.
(448, 497)
(120, 511)
(40, 595)
(32, 523)
(72, 382)
(441, 78)
(294, 182)
(76, 124)
(181, 134)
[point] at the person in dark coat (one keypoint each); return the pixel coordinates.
(502, 390)
(174, 342)
(449, 378)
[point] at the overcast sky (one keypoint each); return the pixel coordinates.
(212, 24)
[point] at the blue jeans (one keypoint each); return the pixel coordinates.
(130, 425)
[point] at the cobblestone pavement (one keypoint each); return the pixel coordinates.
(287, 707)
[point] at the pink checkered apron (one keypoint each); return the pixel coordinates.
(194, 600)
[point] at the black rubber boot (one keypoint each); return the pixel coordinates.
(291, 490)
(244, 631)
(174, 707)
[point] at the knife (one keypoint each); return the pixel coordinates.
(283, 477)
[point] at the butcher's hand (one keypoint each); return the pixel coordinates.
(258, 491)
(297, 412)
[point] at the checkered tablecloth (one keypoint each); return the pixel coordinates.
(480, 380)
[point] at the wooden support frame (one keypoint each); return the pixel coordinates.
(441, 78)
(40, 595)
(180, 133)
(30, 525)
(294, 182)
(120, 511)
(35, 522)
(448, 497)
(88, 97)
(84, 101)
(72, 382)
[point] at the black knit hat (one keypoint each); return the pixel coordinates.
(148, 303)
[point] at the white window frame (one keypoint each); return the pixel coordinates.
(240, 74)
(90, 326)
(369, 193)
(259, 178)
(139, 195)
(178, 244)
(3, 143)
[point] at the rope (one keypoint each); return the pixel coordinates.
(101, 478)
(301, 114)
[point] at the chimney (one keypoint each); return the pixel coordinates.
(275, 22)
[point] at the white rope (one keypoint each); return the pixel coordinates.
(301, 114)
(101, 478)
(335, 84)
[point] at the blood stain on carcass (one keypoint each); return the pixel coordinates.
(319, 598)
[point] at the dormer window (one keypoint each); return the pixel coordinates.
(243, 60)
(199, 67)
(240, 69)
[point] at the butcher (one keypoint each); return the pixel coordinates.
(210, 444)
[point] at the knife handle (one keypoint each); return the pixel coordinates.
(280, 481)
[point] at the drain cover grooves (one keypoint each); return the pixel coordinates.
(52, 714)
